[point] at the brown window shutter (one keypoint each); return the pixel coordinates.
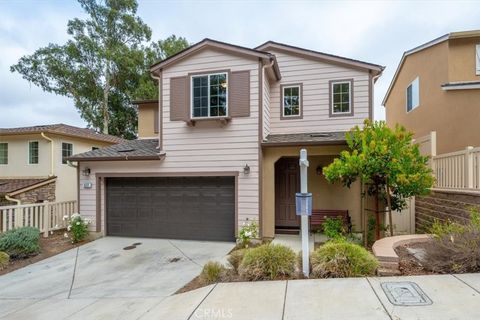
(239, 94)
(179, 97)
(155, 121)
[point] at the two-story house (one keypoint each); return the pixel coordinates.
(220, 148)
(33, 161)
(437, 88)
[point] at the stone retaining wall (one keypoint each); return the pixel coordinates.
(443, 205)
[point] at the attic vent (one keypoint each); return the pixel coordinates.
(320, 135)
(126, 150)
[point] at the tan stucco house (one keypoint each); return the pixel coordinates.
(220, 148)
(33, 161)
(437, 88)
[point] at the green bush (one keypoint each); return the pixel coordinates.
(20, 242)
(333, 228)
(247, 233)
(78, 227)
(235, 258)
(340, 259)
(267, 262)
(441, 229)
(4, 260)
(212, 272)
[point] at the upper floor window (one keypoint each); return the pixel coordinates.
(341, 97)
(209, 95)
(3, 153)
(33, 152)
(477, 52)
(291, 101)
(67, 151)
(413, 95)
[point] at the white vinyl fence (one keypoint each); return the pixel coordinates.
(47, 216)
(458, 170)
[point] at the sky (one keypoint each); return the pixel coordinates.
(372, 31)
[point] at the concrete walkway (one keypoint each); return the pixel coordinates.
(453, 296)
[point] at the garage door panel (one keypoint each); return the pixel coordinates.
(197, 208)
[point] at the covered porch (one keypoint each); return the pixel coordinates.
(281, 180)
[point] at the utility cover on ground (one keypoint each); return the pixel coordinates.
(405, 294)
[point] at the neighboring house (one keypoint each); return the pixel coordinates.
(437, 88)
(220, 148)
(33, 165)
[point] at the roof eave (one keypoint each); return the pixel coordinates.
(303, 143)
(118, 158)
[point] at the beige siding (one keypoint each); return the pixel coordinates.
(315, 77)
(206, 147)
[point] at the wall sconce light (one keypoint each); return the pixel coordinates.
(319, 170)
(86, 172)
(246, 169)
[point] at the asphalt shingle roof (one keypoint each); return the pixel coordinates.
(63, 129)
(142, 149)
(313, 138)
(14, 184)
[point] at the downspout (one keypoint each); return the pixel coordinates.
(374, 79)
(51, 152)
(159, 111)
(18, 202)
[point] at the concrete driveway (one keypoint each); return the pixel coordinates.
(154, 268)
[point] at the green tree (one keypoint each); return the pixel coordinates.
(387, 162)
(103, 66)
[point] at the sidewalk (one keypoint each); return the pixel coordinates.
(453, 296)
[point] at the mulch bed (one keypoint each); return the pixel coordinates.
(55, 243)
(408, 264)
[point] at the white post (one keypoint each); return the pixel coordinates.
(304, 225)
(468, 168)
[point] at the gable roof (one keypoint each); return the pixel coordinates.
(322, 56)
(209, 43)
(142, 149)
(64, 130)
(429, 44)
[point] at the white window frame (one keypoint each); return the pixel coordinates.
(61, 152)
(28, 153)
(477, 59)
(5, 164)
(349, 97)
(299, 101)
(417, 81)
(208, 85)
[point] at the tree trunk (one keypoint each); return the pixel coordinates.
(377, 215)
(389, 204)
(106, 90)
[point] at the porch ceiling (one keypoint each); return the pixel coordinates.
(312, 138)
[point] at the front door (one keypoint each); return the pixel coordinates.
(287, 183)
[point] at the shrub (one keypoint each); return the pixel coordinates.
(20, 242)
(77, 227)
(235, 258)
(340, 259)
(333, 228)
(247, 233)
(212, 272)
(267, 262)
(456, 247)
(4, 260)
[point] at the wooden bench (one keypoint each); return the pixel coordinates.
(319, 216)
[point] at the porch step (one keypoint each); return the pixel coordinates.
(286, 231)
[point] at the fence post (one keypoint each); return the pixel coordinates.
(469, 168)
(46, 219)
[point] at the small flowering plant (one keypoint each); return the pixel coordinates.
(248, 232)
(77, 227)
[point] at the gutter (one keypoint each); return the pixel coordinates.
(160, 156)
(51, 152)
(18, 202)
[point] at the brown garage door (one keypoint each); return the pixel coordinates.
(196, 208)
